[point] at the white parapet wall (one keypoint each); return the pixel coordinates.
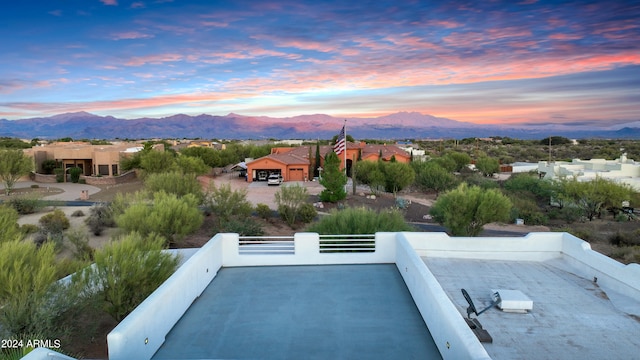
(451, 334)
(307, 252)
(532, 247)
(607, 272)
(143, 331)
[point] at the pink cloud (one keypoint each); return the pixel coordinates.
(137, 5)
(154, 59)
(565, 37)
(130, 35)
(110, 2)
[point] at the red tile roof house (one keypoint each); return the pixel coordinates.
(293, 163)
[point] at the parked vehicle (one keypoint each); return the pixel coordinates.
(262, 175)
(274, 179)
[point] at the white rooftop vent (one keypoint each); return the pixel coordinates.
(512, 300)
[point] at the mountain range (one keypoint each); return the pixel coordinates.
(401, 125)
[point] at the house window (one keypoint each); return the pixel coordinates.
(103, 169)
(114, 169)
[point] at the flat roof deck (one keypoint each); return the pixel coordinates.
(572, 317)
(302, 312)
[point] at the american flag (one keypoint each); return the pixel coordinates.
(341, 143)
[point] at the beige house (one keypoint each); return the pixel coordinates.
(103, 160)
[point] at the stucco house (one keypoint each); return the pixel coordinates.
(103, 160)
(294, 164)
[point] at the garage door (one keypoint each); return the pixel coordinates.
(296, 175)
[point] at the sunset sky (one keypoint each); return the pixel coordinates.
(477, 61)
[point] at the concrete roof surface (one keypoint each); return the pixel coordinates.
(572, 317)
(302, 312)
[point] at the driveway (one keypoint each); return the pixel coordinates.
(70, 191)
(258, 192)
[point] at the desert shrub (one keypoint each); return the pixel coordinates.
(35, 186)
(307, 213)
(264, 211)
(569, 214)
(26, 204)
(526, 208)
(53, 225)
(82, 181)
(168, 216)
(75, 173)
(621, 217)
(48, 166)
(475, 179)
(243, 226)
(289, 200)
(77, 213)
(624, 239)
(59, 174)
(174, 183)
(466, 209)
(100, 217)
(9, 224)
(55, 221)
(359, 221)
(127, 271)
(27, 229)
(80, 241)
(226, 203)
(28, 303)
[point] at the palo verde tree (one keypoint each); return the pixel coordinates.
(227, 204)
(14, 164)
(29, 298)
(290, 199)
(591, 197)
(397, 175)
(488, 166)
(431, 176)
(333, 179)
(168, 215)
(466, 209)
(9, 224)
(174, 182)
(126, 272)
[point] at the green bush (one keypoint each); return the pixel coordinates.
(77, 213)
(307, 213)
(526, 208)
(264, 211)
(27, 301)
(226, 203)
(80, 241)
(290, 199)
(55, 221)
(48, 166)
(53, 225)
(168, 216)
(9, 224)
(174, 183)
(100, 217)
(75, 173)
(466, 209)
(35, 186)
(243, 227)
(127, 271)
(26, 204)
(359, 221)
(27, 229)
(59, 174)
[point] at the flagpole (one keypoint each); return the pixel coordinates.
(345, 147)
